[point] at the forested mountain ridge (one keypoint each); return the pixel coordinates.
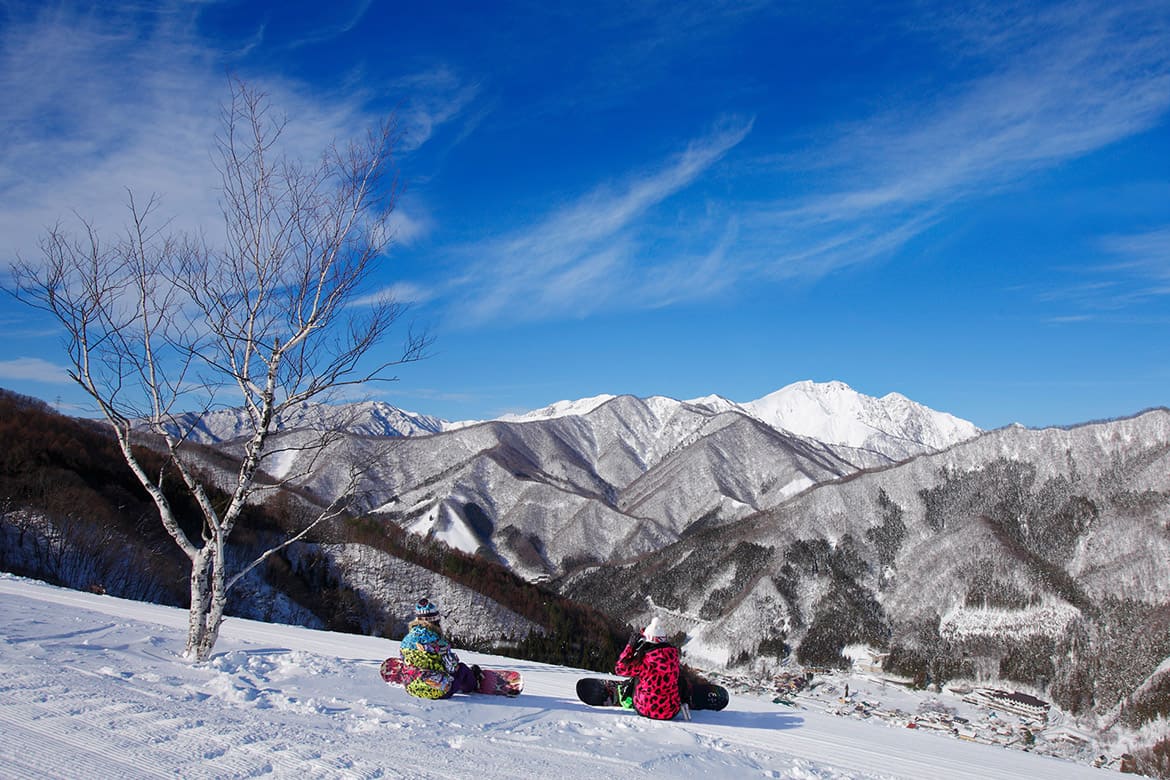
(71, 513)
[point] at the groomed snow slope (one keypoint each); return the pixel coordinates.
(94, 686)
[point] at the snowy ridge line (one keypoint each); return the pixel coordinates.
(828, 412)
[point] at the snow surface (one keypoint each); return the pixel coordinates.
(95, 686)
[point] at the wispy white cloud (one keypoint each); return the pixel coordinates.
(399, 293)
(129, 99)
(341, 18)
(1145, 254)
(1041, 85)
(1135, 272)
(409, 222)
(587, 256)
(643, 43)
(1141, 273)
(95, 104)
(433, 98)
(692, 276)
(33, 370)
(1044, 87)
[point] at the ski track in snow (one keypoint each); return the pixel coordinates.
(94, 686)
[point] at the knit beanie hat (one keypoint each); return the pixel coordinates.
(426, 610)
(654, 632)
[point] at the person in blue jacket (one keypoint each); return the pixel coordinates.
(435, 672)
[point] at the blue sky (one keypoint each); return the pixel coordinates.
(966, 203)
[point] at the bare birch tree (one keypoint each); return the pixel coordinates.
(158, 320)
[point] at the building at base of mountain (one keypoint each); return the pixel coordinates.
(1009, 701)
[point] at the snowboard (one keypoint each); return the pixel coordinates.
(708, 696)
(500, 682)
(495, 682)
(599, 692)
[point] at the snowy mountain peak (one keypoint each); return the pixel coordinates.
(560, 409)
(835, 413)
(715, 403)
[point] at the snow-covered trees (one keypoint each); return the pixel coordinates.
(157, 321)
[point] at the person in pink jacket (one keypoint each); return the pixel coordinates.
(654, 662)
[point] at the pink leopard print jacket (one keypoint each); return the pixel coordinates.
(656, 694)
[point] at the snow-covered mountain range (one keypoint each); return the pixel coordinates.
(831, 412)
(606, 477)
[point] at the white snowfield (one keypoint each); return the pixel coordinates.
(95, 687)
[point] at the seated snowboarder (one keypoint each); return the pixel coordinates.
(436, 671)
(654, 663)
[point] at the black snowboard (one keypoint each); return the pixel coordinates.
(708, 696)
(598, 692)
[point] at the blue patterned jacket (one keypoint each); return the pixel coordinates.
(430, 661)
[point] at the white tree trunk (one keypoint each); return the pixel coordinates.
(198, 649)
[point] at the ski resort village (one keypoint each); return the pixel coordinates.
(988, 715)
